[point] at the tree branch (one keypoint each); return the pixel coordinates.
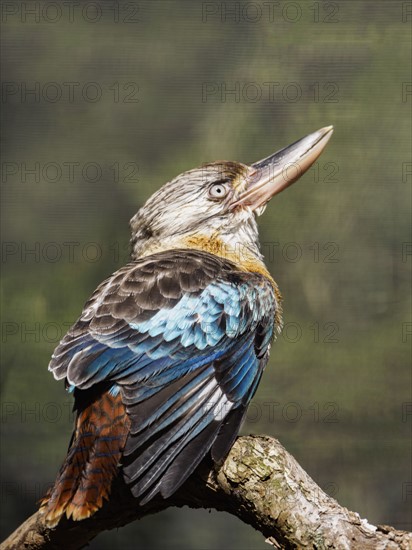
(260, 483)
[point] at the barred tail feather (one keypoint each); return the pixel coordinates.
(85, 479)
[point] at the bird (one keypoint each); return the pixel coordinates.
(169, 350)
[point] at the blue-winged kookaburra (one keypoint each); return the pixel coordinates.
(170, 349)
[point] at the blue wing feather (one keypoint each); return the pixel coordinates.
(183, 368)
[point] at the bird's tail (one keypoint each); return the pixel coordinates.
(85, 478)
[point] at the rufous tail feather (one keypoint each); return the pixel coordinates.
(85, 478)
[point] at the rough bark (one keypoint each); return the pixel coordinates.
(260, 482)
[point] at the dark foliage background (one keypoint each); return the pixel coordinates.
(124, 97)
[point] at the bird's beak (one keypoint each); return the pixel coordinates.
(270, 176)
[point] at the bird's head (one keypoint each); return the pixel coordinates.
(214, 207)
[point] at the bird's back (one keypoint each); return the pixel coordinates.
(163, 362)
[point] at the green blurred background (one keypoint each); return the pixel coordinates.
(126, 96)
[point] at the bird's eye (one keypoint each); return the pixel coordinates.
(218, 190)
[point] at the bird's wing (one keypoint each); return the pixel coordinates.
(185, 337)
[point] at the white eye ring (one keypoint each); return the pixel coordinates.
(218, 191)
